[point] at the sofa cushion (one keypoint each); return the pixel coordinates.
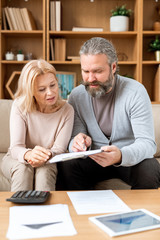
(5, 107)
(158, 159)
(5, 184)
(156, 117)
(113, 184)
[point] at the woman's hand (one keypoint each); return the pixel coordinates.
(38, 156)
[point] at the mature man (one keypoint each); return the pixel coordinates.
(112, 113)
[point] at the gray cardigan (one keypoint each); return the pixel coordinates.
(132, 129)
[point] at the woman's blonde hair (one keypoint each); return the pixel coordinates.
(25, 90)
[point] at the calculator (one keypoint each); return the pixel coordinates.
(31, 196)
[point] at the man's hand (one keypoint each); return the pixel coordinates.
(38, 156)
(111, 155)
(81, 142)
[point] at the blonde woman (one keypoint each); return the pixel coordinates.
(40, 127)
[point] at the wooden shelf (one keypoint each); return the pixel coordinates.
(151, 33)
(13, 62)
(151, 62)
(139, 63)
(78, 62)
(9, 32)
(65, 33)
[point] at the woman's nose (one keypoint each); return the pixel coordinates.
(49, 91)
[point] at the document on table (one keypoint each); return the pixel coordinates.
(73, 155)
(40, 221)
(99, 201)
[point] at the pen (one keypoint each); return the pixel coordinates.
(84, 145)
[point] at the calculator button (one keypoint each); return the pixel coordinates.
(33, 193)
(43, 194)
(15, 195)
(21, 194)
(28, 193)
(38, 193)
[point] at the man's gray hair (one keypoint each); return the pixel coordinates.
(98, 45)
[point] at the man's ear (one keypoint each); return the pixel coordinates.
(114, 67)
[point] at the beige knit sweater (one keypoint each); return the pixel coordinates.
(49, 130)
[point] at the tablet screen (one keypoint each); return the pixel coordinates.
(123, 223)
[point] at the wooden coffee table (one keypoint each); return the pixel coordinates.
(86, 230)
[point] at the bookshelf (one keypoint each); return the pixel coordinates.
(30, 41)
(132, 46)
(150, 67)
(96, 14)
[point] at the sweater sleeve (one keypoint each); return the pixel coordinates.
(80, 125)
(64, 131)
(18, 128)
(144, 146)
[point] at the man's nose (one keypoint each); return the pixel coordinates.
(91, 77)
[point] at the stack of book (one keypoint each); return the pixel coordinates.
(58, 49)
(18, 19)
(73, 58)
(87, 29)
(55, 15)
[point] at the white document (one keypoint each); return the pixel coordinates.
(99, 201)
(73, 155)
(40, 221)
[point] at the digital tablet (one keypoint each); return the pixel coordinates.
(128, 222)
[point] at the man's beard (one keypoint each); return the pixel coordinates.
(102, 88)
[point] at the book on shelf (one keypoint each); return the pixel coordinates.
(58, 16)
(21, 25)
(10, 24)
(87, 29)
(60, 49)
(18, 19)
(73, 58)
(55, 15)
(23, 15)
(52, 49)
(28, 19)
(13, 19)
(5, 24)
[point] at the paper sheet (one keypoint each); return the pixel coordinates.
(73, 155)
(40, 221)
(100, 201)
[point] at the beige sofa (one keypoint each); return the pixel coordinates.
(5, 106)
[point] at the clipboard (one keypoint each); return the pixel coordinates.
(73, 155)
